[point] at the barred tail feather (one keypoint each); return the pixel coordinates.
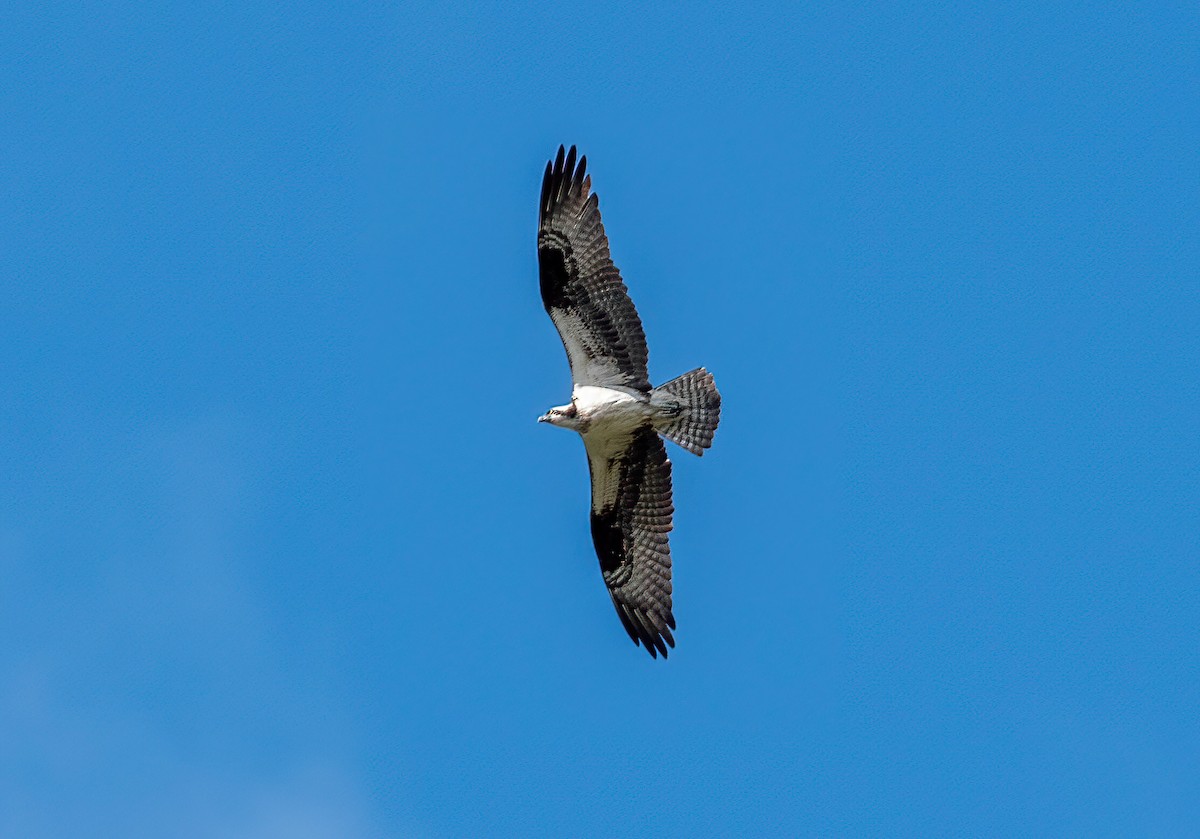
(687, 410)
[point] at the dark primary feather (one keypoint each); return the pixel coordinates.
(631, 538)
(581, 288)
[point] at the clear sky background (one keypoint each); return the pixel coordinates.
(284, 553)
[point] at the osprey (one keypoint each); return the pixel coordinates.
(613, 407)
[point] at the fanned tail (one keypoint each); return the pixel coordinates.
(687, 410)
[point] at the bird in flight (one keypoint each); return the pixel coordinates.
(613, 407)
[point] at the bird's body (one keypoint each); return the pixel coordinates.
(607, 419)
(613, 406)
(602, 411)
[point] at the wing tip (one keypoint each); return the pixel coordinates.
(563, 178)
(648, 630)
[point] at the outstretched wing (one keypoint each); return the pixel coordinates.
(581, 288)
(631, 517)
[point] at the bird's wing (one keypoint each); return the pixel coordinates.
(581, 288)
(631, 517)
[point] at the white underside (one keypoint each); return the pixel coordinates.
(609, 409)
(611, 418)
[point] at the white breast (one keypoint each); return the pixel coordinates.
(611, 415)
(606, 406)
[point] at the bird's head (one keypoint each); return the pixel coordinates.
(566, 416)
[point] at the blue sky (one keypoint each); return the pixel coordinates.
(284, 553)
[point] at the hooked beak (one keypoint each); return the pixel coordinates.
(544, 418)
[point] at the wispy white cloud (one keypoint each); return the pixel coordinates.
(154, 698)
(310, 802)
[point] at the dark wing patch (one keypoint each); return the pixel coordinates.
(631, 538)
(581, 288)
